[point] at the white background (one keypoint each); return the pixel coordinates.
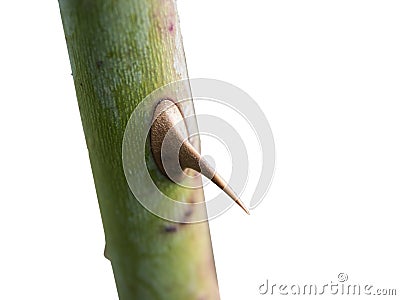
(327, 76)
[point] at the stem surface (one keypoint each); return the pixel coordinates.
(120, 51)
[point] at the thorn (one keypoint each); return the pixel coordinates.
(167, 116)
(208, 171)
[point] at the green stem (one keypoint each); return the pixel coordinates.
(120, 51)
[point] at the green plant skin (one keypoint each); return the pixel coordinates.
(120, 51)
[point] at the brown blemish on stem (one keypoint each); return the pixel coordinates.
(186, 217)
(188, 212)
(170, 228)
(99, 64)
(171, 27)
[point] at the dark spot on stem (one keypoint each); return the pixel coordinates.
(188, 212)
(186, 216)
(171, 27)
(190, 200)
(170, 229)
(99, 63)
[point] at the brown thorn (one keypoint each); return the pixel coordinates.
(167, 116)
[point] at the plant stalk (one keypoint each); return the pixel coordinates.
(120, 51)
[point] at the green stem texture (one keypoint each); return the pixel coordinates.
(120, 51)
